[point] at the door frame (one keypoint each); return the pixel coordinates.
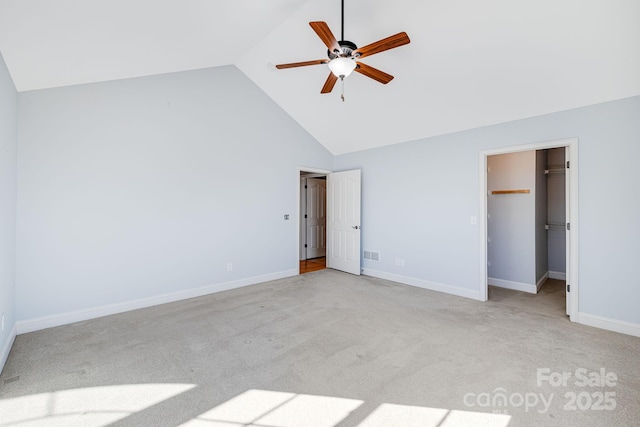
(298, 201)
(572, 265)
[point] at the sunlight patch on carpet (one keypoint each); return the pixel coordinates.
(92, 406)
(264, 408)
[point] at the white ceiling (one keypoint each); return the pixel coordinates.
(470, 63)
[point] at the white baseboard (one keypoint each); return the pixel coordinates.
(31, 325)
(424, 284)
(516, 286)
(543, 279)
(4, 354)
(614, 325)
(557, 275)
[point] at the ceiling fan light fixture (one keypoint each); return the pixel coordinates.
(342, 67)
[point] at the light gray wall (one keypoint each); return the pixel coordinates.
(541, 245)
(139, 187)
(511, 247)
(142, 187)
(417, 199)
(8, 141)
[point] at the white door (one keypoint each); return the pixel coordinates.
(343, 221)
(567, 216)
(315, 217)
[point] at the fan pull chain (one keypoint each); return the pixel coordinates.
(342, 95)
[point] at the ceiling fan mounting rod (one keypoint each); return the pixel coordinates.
(342, 20)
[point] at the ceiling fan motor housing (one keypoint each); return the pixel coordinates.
(347, 50)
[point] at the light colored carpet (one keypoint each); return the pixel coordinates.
(326, 349)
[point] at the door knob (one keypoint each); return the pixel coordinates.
(356, 227)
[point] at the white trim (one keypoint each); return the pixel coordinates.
(482, 229)
(572, 143)
(424, 284)
(4, 355)
(516, 286)
(542, 281)
(313, 170)
(519, 286)
(302, 239)
(572, 268)
(557, 275)
(614, 325)
(531, 146)
(37, 324)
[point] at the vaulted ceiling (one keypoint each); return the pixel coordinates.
(470, 63)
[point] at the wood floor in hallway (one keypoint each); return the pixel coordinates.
(315, 264)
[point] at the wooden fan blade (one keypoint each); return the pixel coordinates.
(325, 34)
(301, 64)
(329, 84)
(374, 73)
(391, 42)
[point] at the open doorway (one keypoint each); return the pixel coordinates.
(339, 235)
(519, 233)
(313, 221)
(526, 222)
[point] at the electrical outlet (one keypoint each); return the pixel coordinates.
(229, 266)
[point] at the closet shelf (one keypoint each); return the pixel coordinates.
(557, 168)
(550, 171)
(510, 192)
(555, 226)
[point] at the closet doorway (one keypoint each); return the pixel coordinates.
(526, 221)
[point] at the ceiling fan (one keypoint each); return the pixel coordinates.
(343, 55)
